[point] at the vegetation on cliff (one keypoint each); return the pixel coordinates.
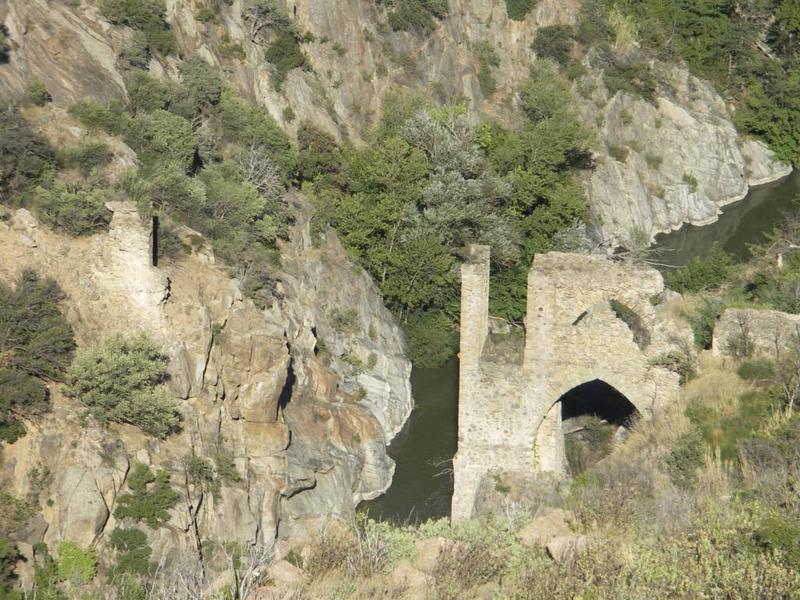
(429, 183)
(36, 345)
(749, 51)
(122, 380)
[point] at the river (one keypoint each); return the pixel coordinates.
(422, 484)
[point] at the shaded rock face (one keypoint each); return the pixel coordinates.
(356, 59)
(255, 397)
(350, 323)
(674, 161)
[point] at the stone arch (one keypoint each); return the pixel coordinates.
(549, 453)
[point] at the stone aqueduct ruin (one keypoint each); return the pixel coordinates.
(511, 382)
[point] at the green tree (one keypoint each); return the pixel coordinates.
(703, 273)
(150, 499)
(133, 553)
(36, 341)
(147, 16)
(202, 82)
(8, 577)
(554, 42)
(285, 54)
(24, 155)
(160, 135)
(122, 380)
(519, 9)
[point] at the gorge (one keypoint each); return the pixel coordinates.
(253, 251)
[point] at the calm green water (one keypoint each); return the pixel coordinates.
(423, 484)
(741, 223)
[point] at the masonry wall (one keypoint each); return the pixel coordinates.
(572, 336)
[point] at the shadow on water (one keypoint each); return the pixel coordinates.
(423, 483)
(423, 486)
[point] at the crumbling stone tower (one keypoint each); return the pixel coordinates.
(588, 318)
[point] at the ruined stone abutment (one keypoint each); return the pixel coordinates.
(574, 334)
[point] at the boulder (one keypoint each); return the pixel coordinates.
(566, 547)
(546, 525)
(407, 579)
(428, 552)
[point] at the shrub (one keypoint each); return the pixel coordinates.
(77, 208)
(37, 93)
(684, 458)
(109, 117)
(36, 341)
(318, 153)
(633, 78)
(5, 51)
(230, 49)
(133, 553)
(344, 320)
(122, 381)
(416, 15)
(727, 428)
(487, 60)
(702, 273)
(776, 532)
(519, 9)
(204, 14)
(285, 54)
(653, 161)
(149, 501)
(703, 320)
(618, 153)
(137, 54)
(75, 565)
(87, 156)
(554, 42)
(462, 566)
(161, 135)
(147, 16)
(690, 180)
(24, 155)
(9, 555)
(634, 322)
(677, 362)
(756, 370)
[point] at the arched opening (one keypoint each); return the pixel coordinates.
(582, 427)
(594, 417)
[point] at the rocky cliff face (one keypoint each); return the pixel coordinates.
(354, 58)
(302, 444)
(665, 163)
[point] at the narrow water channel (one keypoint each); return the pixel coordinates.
(422, 484)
